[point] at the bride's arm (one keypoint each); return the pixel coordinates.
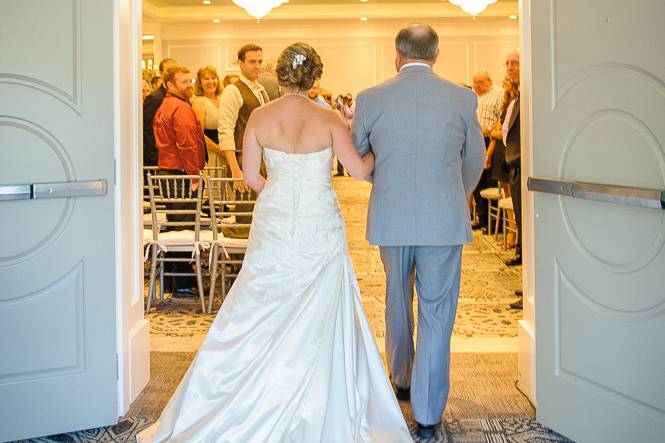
(251, 158)
(342, 144)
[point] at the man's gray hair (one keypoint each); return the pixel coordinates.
(419, 42)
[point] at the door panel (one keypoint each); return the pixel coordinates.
(58, 367)
(598, 100)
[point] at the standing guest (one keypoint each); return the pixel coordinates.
(314, 94)
(490, 100)
(206, 107)
(347, 110)
(495, 158)
(229, 79)
(513, 153)
(156, 82)
(268, 79)
(150, 106)
(236, 105)
(182, 151)
(145, 88)
(327, 96)
(429, 155)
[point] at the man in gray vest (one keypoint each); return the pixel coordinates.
(429, 152)
(237, 103)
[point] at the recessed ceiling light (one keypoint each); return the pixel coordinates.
(216, 20)
(148, 37)
(363, 1)
(512, 17)
(363, 19)
(206, 2)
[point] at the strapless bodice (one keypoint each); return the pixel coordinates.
(311, 167)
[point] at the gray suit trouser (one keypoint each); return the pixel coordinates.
(435, 270)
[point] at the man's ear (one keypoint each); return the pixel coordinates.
(436, 56)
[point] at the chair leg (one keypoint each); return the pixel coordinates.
(199, 283)
(223, 273)
(213, 277)
(153, 270)
(161, 278)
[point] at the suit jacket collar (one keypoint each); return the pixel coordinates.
(415, 68)
(515, 112)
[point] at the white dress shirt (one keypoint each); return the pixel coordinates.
(229, 106)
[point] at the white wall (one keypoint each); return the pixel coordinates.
(356, 54)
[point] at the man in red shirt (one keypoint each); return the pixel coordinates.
(181, 150)
(178, 133)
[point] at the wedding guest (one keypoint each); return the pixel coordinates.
(145, 88)
(314, 94)
(490, 100)
(268, 79)
(208, 89)
(229, 79)
(150, 106)
(237, 102)
(182, 151)
(156, 82)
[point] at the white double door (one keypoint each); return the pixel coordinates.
(598, 113)
(58, 367)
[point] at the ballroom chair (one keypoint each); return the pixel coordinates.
(506, 206)
(492, 195)
(175, 209)
(229, 210)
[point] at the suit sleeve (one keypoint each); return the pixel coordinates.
(473, 149)
(359, 131)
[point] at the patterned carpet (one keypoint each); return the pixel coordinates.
(487, 285)
(499, 430)
(483, 407)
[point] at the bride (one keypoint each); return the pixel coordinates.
(290, 356)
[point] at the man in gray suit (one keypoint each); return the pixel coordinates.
(429, 152)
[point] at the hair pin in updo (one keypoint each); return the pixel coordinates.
(298, 60)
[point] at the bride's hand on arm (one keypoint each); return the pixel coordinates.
(342, 144)
(251, 158)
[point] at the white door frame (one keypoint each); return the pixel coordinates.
(526, 329)
(133, 328)
(133, 334)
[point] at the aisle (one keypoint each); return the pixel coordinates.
(485, 323)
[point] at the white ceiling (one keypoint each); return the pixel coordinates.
(169, 11)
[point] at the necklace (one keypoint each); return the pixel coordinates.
(300, 93)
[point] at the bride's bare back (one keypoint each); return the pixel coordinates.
(297, 125)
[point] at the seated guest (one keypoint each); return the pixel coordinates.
(206, 107)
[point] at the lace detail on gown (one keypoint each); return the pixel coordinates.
(290, 356)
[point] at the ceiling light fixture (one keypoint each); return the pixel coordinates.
(148, 37)
(473, 7)
(259, 8)
(206, 2)
(512, 17)
(363, 19)
(216, 20)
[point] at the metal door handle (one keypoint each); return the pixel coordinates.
(35, 191)
(625, 195)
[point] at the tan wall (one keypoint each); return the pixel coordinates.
(356, 54)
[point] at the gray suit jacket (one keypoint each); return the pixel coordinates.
(429, 152)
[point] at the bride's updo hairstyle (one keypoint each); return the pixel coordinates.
(299, 66)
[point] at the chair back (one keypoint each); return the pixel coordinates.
(229, 208)
(174, 196)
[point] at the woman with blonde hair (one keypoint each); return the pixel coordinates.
(205, 104)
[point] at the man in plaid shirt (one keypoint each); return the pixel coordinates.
(490, 103)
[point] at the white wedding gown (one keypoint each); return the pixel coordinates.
(290, 356)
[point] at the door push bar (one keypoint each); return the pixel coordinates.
(36, 191)
(642, 197)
